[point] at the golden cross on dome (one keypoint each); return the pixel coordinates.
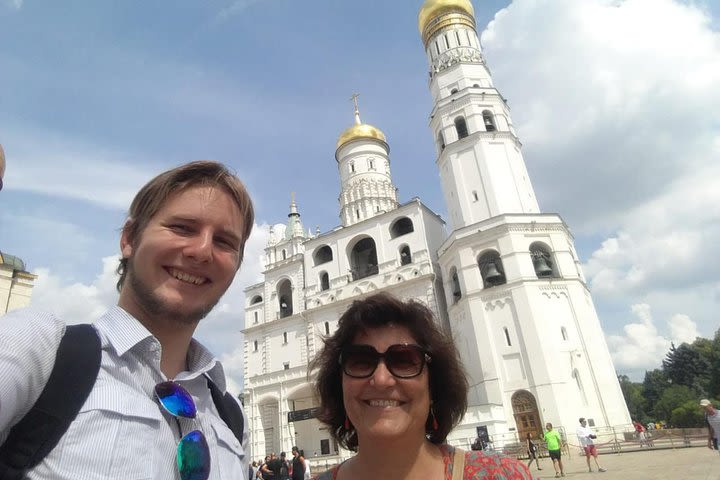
(354, 98)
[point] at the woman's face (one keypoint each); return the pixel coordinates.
(382, 406)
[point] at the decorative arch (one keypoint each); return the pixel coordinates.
(405, 255)
(401, 226)
(285, 298)
(489, 121)
(543, 260)
(491, 269)
(461, 127)
(322, 255)
(256, 299)
(527, 415)
(363, 259)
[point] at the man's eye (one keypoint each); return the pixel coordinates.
(180, 228)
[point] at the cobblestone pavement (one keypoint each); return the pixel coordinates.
(697, 463)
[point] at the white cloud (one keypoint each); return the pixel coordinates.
(641, 347)
(621, 135)
(13, 4)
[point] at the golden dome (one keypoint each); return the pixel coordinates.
(362, 130)
(433, 8)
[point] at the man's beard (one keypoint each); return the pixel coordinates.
(156, 306)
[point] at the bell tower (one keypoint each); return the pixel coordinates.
(481, 166)
(518, 308)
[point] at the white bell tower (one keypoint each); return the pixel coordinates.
(518, 305)
(481, 166)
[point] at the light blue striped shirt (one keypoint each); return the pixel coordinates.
(120, 432)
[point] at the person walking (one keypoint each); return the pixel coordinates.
(554, 444)
(532, 450)
(298, 464)
(151, 411)
(587, 437)
(712, 418)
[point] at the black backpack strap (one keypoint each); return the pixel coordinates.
(229, 410)
(72, 378)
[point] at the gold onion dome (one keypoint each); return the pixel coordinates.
(362, 130)
(432, 9)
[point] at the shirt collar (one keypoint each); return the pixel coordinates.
(124, 332)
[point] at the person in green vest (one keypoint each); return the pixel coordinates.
(552, 438)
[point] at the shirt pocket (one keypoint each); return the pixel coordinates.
(228, 454)
(114, 436)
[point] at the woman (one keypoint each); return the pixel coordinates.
(391, 388)
(532, 450)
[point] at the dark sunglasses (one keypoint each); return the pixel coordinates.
(193, 453)
(402, 360)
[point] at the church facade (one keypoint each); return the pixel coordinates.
(506, 282)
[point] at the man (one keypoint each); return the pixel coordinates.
(554, 442)
(298, 464)
(712, 418)
(181, 246)
(586, 438)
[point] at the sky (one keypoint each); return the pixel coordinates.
(615, 101)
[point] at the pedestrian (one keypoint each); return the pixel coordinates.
(298, 464)
(180, 246)
(391, 388)
(554, 445)
(532, 450)
(640, 432)
(587, 439)
(712, 419)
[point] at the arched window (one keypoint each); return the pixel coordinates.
(475, 196)
(352, 167)
(563, 332)
(255, 346)
(507, 337)
(284, 254)
(405, 256)
(371, 163)
(255, 314)
(441, 140)
(327, 328)
(489, 121)
(324, 281)
(456, 292)
(363, 259)
(284, 292)
(543, 261)
(256, 299)
(461, 127)
(453, 91)
(491, 269)
(402, 226)
(322, 255)
(284, 338)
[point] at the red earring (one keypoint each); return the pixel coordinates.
(347, 423)
(435, 424)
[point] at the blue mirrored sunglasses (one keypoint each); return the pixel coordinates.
(193, 453)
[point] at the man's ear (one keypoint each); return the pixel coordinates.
(126, 242)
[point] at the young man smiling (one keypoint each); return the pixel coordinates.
(181, 245)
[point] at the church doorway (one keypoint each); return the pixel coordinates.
(527, 416)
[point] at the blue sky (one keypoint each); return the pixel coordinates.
(614, 101)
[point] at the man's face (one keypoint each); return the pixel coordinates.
(185, 258)
(583, 422)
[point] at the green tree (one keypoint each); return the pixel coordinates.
(633, 393)
(713, 388)
(687, 415)
(672, 397)
(686, 365)
(654, 385)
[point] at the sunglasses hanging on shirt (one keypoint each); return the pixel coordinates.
(193, 453)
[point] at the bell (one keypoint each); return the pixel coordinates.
(542, 269)
(489, 125)
(491, 273)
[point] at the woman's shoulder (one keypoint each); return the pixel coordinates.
(479, 464)
(328, 475)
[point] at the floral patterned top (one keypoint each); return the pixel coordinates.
(478, 466)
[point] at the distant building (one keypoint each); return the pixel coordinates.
(506, 281)
(16, 283)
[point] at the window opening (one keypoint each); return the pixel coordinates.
(402, 226)
(489, 121)
(363, 259)
(461, 127)
(405, 257)
(491, 269)
(507, 337)
(324, 281)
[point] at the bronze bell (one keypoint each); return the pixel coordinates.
(492, 275)
(542, 269)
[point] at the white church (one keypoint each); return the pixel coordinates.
(502, 277)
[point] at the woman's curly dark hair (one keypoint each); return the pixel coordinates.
(448, 384)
